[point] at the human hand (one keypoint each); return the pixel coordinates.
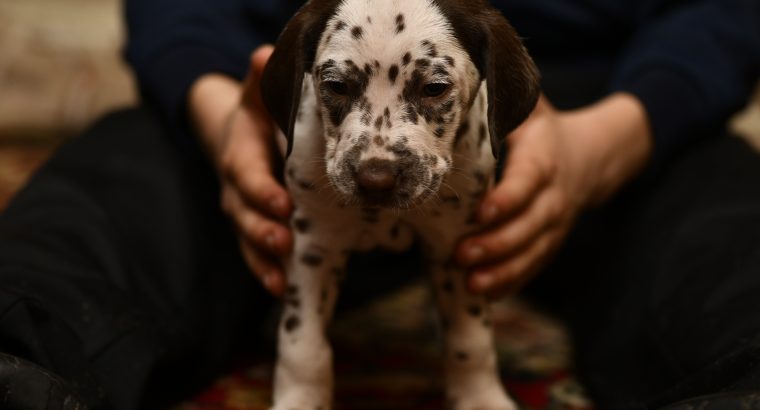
(559, 163)
(239, 136)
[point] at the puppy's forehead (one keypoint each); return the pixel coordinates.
(384, 30)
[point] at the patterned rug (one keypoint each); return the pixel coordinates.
(386, 357)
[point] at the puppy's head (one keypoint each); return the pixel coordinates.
(394, 80)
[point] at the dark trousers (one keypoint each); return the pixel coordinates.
(119, 273)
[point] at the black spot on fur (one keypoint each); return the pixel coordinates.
(312, 259)
(340, 25)
(292, 301)
(400, 23)
(435, 180)
(363, 141)
(430, 49)
(422, 63)
(410, 114)
(357, 32)
(393, 73)
(378, 140)
(407, 59)
(447, 107)
(292, 323)
(366, 109)
(379, 123)
(302, 225)
(387, 116)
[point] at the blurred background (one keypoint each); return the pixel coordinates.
(61, 68)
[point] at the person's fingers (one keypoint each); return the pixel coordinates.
(262, 191)
(507, 238)
(504, 276)
(249, 168)
(265, 234)
(264, 268)
(252, 85)
(523, 179)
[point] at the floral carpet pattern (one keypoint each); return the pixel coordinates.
(386, 357)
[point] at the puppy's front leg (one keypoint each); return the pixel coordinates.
(470, 362)
(303, 374)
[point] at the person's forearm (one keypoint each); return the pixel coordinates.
(211, 101)
(619, 142)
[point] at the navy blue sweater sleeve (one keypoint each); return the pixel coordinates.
(692, 68)
(171, 43)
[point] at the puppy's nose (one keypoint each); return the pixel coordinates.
(376, 179)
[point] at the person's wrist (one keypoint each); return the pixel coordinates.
(212, 101)
(616, 139)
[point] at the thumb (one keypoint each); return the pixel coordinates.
(252, 85)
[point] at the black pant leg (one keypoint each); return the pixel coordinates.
(117, 269)
(660, 287)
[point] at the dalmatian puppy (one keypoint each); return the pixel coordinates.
(392, 112)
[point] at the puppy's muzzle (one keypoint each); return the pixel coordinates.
(376, 180)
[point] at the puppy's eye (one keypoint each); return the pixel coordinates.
(435, 89)
(337, 87)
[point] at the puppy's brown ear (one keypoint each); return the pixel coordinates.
(294, 55)
(512, 79)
